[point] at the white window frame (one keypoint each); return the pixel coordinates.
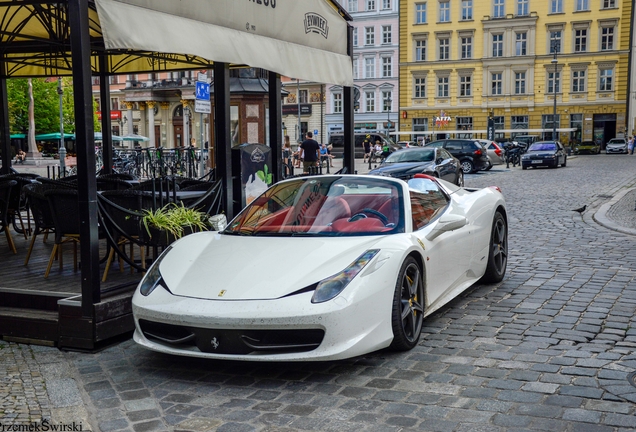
(419, 87)
(356, 72)
(386, 4)
(580, 39)
(420, 49)
(420, 13)
(369, 101)
(521, 83)
(608, 4)
(387, 34)
(387, 67)
(581, 5)
(369, 67)
(369, 36)
(355, 36)
(466, 10)
(521, 43)
(443, 86)
(579, 80)
(604, 37)
(552, 37)
(465, 85)
(497, 45)
(499, 8)
(387, 95)
(553, 79)
(606, 79)
(496, 83)
(523, 7)
(443, 49)
(466, 47)
(556, 6)
(337, 103)
(370, 5)
(444, 11)
(353, 5)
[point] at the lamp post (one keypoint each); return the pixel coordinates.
(62, 149)
(554, 85)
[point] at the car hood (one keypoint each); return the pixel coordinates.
(403, 168)
(252, 268)
(616, 145)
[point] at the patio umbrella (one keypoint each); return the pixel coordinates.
(134, 137)
(53, 136)
(99, 137)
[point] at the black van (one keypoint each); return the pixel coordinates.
(336, 140)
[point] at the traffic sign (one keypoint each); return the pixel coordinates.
(315, 132)
(202, 91)
(202, 106)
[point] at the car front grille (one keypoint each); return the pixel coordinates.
(223, 341)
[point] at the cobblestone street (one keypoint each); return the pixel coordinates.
(549, 348)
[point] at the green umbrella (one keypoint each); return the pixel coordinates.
(53, 136)
(18, 136)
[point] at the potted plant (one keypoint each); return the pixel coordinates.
(171, 222)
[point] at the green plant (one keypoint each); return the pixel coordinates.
(264, 175)
(173, 219)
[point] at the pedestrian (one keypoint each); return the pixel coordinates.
(630, 145)
(20, 157)
(324, 155)
(287, 150)
(311, 152)
(366, 145)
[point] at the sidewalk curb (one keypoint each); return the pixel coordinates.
(601, 218)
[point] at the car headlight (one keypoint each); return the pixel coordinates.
(332, 286)
(153, 276)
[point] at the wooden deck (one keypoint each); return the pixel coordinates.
(47, 311)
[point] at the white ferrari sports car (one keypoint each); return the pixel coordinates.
(323, 268)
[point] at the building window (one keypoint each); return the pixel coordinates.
(369, 35)
(520, 83)
(353, 5)
(337, 103)
(547, 121)
(113, 79)
(582, 5)
(420, 50)
(465, 86)
(498, 9)
(419, 87)
(387, 67)
(555, 41)
(521, 44)
(444, 11)
(465, 124)
(556, 6)
(467, 10)
(355, 68)
(370, 5)
(580, 40)
(519, 122)
(420, 13)
(467, 47)
(496, 82)
(387, 100)
(522, 8)
(442, 86)
(497, 45)
(355, 36)
(444, 49)
(609, 4)
(386, 34)
(386, 4)
(420, 124)
(605, 79)
(369, 67)
(370, 101)
(303, 97)
(578, 81)
(499, 125)
(607, 38)
(114, 104)
(554, 82)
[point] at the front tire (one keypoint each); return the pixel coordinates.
(498, 251)
(460, 178)
(565, 162)
(407, 313)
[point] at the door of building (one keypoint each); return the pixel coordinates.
(604, 128)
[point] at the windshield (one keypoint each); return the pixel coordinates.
(419, 155)
(616, 141)
(543, 147)
(324, 206)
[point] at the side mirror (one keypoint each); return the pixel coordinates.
(447, 223)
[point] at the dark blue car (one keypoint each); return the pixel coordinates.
(434, 161)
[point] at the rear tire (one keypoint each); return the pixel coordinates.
(407, 313)
(460, 178)
(467, 166)
(498, 251)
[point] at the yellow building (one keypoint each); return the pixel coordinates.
(463, 60)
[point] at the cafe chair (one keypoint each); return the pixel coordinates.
(64, 206)
(6, 188)
(110, 183)
(40, 211)
(121, 176)
(210, 202)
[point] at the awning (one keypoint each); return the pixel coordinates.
(53, 136)
(304, 39)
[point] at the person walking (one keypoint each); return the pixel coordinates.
(366, 145)
(630, 145)
(311, 151)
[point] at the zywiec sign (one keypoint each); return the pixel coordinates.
(114, 115)
(365, 126)
(305, 109)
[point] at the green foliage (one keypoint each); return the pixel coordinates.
(173, 219)
(264, 175)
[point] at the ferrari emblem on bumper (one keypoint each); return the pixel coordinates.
(222, 293)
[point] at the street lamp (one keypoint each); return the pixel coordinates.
(62, 149)
(554, 85)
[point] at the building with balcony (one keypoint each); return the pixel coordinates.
(525, 63)
(375, 72)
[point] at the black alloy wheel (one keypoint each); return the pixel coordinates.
(498, 253)
(408, 306)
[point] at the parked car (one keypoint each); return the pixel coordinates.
(433, 161)
(587, 147)
(372, 257)
(336, 140)
(470, 153)
(407, 144)
(616, 145)
(544, 153)
(495, 152)
(526, 141)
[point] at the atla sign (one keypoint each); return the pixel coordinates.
(316, 23)
(442, 120)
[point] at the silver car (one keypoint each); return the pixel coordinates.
(616, 145)
(495, 152)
